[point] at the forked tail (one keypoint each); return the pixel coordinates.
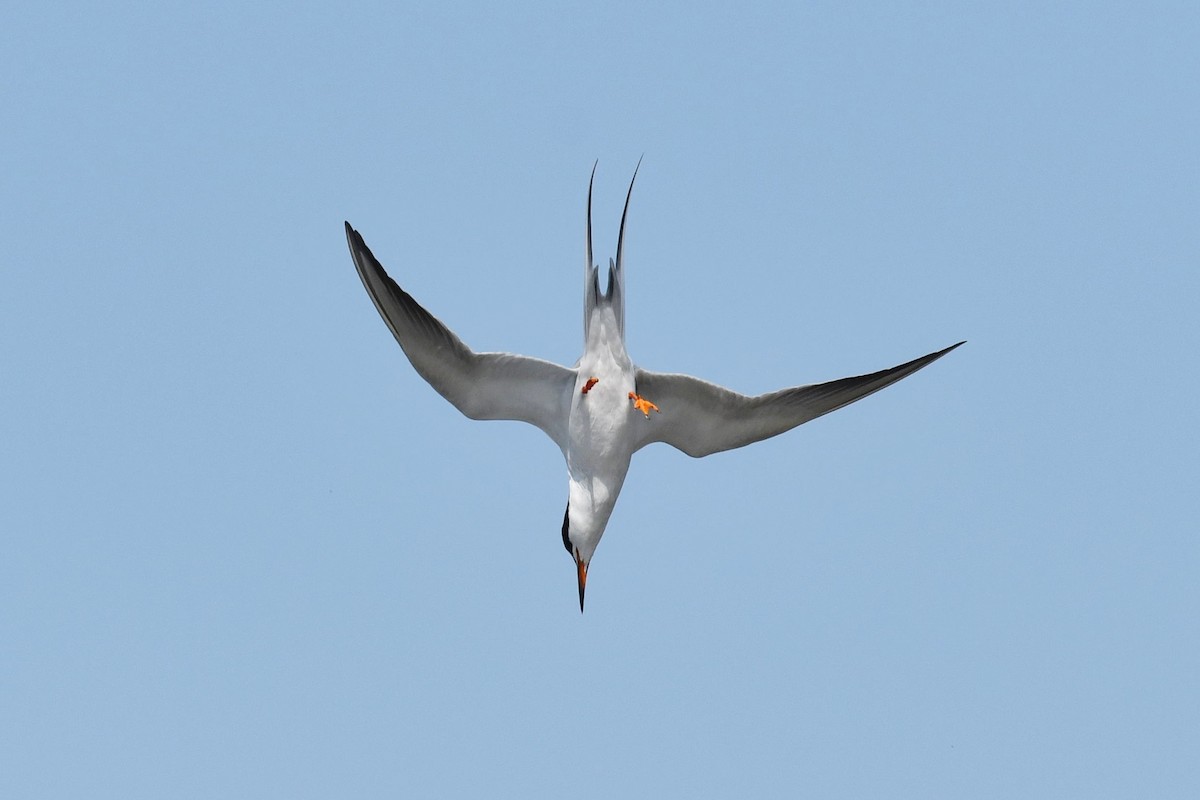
(614, 296)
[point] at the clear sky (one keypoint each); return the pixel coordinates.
(246, 552)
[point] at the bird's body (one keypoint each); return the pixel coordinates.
(601, 432)
(604, 409)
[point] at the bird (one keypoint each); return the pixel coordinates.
(604, 408)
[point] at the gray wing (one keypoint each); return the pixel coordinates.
(701, 418)
(480, 385)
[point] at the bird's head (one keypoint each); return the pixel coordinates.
(580, 535)
(589, 505)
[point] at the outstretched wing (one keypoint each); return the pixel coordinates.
(480, 385)
(701, 418)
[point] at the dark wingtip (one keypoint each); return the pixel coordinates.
(923, 361)
(355, 240)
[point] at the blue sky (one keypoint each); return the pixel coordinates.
(247, 552)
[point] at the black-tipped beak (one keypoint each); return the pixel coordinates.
(582, 574)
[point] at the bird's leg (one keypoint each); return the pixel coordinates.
(587, 387)
(643, 405)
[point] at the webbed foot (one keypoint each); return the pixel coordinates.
(643, 405)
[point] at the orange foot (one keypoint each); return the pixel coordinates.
(587, 387)
(643, 405)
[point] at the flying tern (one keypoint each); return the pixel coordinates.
(605, 408)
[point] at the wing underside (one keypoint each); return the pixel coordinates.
(701, 418)
(480, 385)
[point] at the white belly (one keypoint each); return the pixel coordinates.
(600, 434)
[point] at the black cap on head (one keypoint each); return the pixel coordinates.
(566, 538)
